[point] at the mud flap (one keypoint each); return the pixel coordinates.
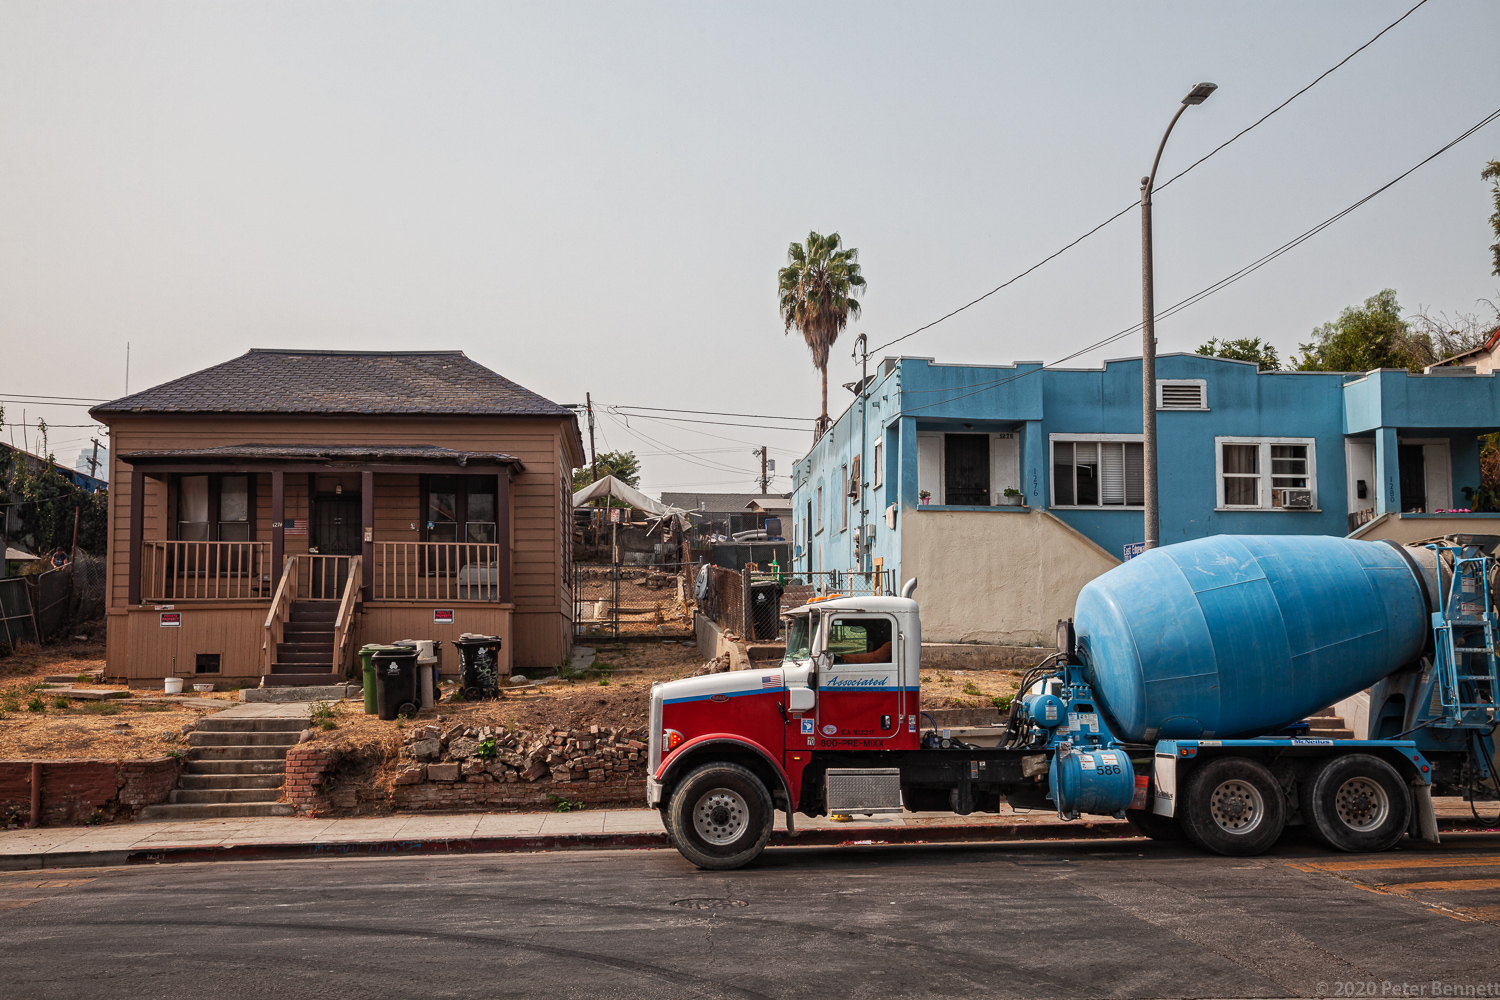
(1424, 815)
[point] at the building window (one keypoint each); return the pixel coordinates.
(843, 492)
(1266, 473)
(820, 508)
(1182, 394)
(1103, 470)
(214, 508)
(460, 509)
(207, 663)
(879, 470)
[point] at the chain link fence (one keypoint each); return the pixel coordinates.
(750, 602)
(611, 600)
(33, 608)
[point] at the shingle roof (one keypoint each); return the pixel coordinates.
(364, 382)
(716, 503)
(323, 453)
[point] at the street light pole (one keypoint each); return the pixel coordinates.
(1197, 95)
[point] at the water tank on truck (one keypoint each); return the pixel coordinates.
(1234, 636)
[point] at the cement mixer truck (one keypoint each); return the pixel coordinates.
(1173, 700)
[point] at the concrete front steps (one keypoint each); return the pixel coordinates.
(236, 767)
(304, 656)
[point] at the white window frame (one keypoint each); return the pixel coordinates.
(1202, 385)
(1086, 439)
(1265, 486)
(844, 497)
(878, 478)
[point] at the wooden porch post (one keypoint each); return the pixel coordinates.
(137, 526)
(278, 526)
(502, 535)
(367, 524)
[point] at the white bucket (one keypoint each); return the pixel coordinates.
(172, 685)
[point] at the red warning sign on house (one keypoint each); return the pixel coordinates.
(442, 616)
(171, 619)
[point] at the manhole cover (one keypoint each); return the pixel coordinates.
(709, 903)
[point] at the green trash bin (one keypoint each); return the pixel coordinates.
(367, 662)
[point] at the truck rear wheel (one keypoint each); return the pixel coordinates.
(1233, 806)
(1356, 802)
(720, 816)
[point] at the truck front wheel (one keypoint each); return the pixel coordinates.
(720, 816)
(1233, 806)
(1356, 803)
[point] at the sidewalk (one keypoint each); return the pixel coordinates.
(426, 834)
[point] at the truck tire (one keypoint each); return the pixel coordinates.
(1356, 802)
(720, 816)
(1164, 828)
(1233, 806)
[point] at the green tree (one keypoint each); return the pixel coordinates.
(623, 465)
(44, 501)
(1491, 172)
(1263, 353)
(818, 290)
(1366, 337)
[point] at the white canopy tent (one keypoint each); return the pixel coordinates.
(609, 486)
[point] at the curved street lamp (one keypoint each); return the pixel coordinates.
(1197, 95)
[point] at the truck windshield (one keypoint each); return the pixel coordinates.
(798, 638)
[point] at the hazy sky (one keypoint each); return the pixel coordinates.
(597, 196)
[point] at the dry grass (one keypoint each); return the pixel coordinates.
(966, 688)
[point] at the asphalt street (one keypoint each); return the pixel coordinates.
(1081, 919)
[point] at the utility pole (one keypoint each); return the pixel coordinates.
(764, 482)
(593, 457)
(862, 348)
(94, 459)
(1152, 538)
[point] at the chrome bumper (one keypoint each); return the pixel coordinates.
(653, 792)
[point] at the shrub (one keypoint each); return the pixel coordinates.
(36, 704)
(59, 702)
(1002, 701)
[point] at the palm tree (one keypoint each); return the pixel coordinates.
(818, 289)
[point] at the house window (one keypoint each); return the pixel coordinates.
(843, 492)
(460, 509)
(207, 663)
(820, 508)
(214, 508)
(1266, 473)
(879, 471)
(1105, 470)
(1182, 394)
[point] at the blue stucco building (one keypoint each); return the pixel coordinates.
(913, 476)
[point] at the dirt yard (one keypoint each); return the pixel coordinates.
(35, 725)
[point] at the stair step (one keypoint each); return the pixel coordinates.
(190, 796)
(306, 659)
(283, 738)
(219, 724)
(272, 753)
(288, 678)
(206, 782)
(235, 767)
(214, 810)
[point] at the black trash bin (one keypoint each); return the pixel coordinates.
(480, 665)
(765, 610)
(396, 691)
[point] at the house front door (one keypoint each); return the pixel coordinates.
(966, 470)
(336, 526)
(1413, 478)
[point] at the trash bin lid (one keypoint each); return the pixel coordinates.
(396, 653)
(475, 639)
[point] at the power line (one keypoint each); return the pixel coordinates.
(1235, 276)
(711, 466)
(711, 423)
(1159, 187)
(710, 413)
(76, 399)
(44, 401)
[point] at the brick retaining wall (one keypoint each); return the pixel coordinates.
(77, 791)
(457, 770)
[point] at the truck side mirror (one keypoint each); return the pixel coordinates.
(800, 699)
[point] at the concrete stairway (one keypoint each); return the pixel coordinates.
(1327, 726)
(236, 767)
(304, 656)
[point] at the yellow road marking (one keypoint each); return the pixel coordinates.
(1453, 885)
(1366, 864)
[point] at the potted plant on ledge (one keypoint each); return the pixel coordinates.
(1012, 497)
(924, 497)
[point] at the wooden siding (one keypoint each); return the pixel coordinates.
(387, 622)
(539, 496)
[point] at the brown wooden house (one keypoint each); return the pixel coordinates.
(271, 514)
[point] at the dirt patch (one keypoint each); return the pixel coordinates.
(943, 689)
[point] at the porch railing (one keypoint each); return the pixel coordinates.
(343, 623)
(205, 571)
(281, 608)
(322, 578)
(437, 571)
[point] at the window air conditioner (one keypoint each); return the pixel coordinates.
(1291, 499)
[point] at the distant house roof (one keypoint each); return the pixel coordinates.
(1488, 345)
(80, 479)
(717, 503)
(771, 505)
(341, 382)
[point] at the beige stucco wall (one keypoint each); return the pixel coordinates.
(996, 577)
(1406, 530)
